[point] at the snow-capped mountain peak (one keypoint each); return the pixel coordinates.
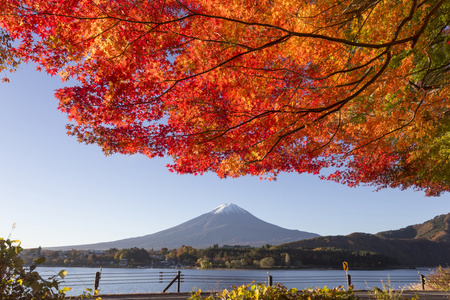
(228, 208)
(227, 224)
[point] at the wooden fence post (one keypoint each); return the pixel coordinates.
(177, 279)
(422, 281)
(98, 275)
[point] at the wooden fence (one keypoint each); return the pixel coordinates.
(177, 278)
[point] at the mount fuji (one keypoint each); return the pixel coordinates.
(227, 224)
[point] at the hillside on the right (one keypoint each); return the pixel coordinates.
(420, 245)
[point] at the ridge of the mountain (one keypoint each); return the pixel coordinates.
(227, 224)
(430, 229)
(420, 245)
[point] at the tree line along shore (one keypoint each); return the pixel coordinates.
(235, 257)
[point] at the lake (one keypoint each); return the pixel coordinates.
(124, 281)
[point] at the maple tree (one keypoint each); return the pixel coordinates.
(253, 87)
(8, 61)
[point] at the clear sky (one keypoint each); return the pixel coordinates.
(59, 192)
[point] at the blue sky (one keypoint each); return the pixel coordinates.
(59, 192)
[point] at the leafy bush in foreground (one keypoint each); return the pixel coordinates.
(20, 282)
(277, 292)
(439, 279)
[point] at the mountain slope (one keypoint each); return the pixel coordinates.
(429, 230)
(424, 245)
(409, 252)
(227, 224)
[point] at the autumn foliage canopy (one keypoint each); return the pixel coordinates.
(241, 87)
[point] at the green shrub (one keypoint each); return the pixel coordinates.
(277, 292)
(439, 279)
(20, 282)
(267, 263)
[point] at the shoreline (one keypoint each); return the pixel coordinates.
(243, 269)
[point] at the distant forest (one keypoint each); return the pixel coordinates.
(235, 257)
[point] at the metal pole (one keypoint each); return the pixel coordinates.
(349, 280)
(179, 281)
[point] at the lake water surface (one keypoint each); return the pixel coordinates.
(124, 281)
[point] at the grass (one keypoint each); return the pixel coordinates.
(388, 293)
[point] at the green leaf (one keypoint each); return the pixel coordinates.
(62, 273)
(63, 290)
(39, 261)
